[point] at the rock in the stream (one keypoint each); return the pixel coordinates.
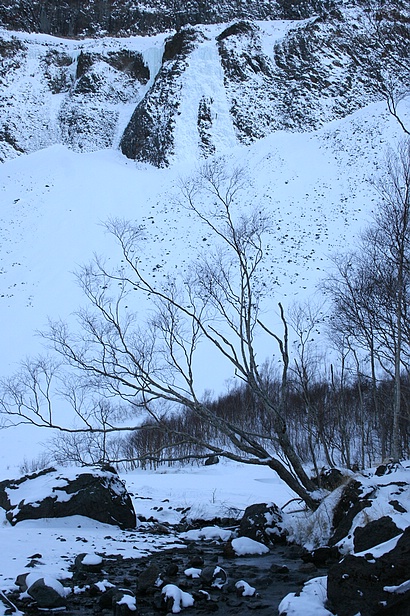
(214, 577)
(48, 592)
(124, 603)
(147, 579)
(263, 523)
(91, 563)
(174, 599)
(322, 556)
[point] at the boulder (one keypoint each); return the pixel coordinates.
(93, 492)
(372, 585)
(124, 603)
(147, 579)
(48, 593)
(263, 523)
(331, 478)
(211, 461)
(375, 532)
(354, 498)
(88, 563)
(321, 556)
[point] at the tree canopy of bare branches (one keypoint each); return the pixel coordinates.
(147, 366)
(370, 289)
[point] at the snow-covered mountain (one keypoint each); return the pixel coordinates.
(92, 128)
(210, 86)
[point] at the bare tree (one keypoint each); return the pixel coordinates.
(371, 288)
(151, 365)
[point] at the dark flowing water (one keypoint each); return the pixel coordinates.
(273, 576)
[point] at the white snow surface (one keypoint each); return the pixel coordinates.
(208, 533)
(247, 589)
(244, 546)
(310, 602)
(181, 598)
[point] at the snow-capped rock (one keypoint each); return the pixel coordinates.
(94, 493)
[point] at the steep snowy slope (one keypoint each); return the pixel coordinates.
(139, 91)
(54, 203)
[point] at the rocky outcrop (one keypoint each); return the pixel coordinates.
(103, 84)
(149, 136)
(94, 493)
(372, 585)
(51, 93)
(354, 498)
(201, 89)
(374, 533)
(311, 77)
(74, 18)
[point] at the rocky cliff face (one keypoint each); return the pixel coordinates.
(124, 17)
(203, 88)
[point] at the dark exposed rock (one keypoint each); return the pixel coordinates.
(211, 461)
(353, 500)
(147, 579)
(149, 135)
(81, 564)
(96, 494)
(81, 17)
(240, 27)
(131, 63)
(12, 53)
(358, 584)
(331, 478)
(322, 557)
(196, 561)
(386, 469)
(45, 594)
(375, 532)
(263, 523)
(56, 70)
(214, 576)
(397, 506)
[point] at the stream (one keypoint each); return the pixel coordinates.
(273, 576)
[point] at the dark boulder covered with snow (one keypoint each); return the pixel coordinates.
(47, 591)
(93, 492)
(374, 533)
(263, 523)
(354, 498)
(372, 584)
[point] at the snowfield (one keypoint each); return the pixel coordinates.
(197, 492)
